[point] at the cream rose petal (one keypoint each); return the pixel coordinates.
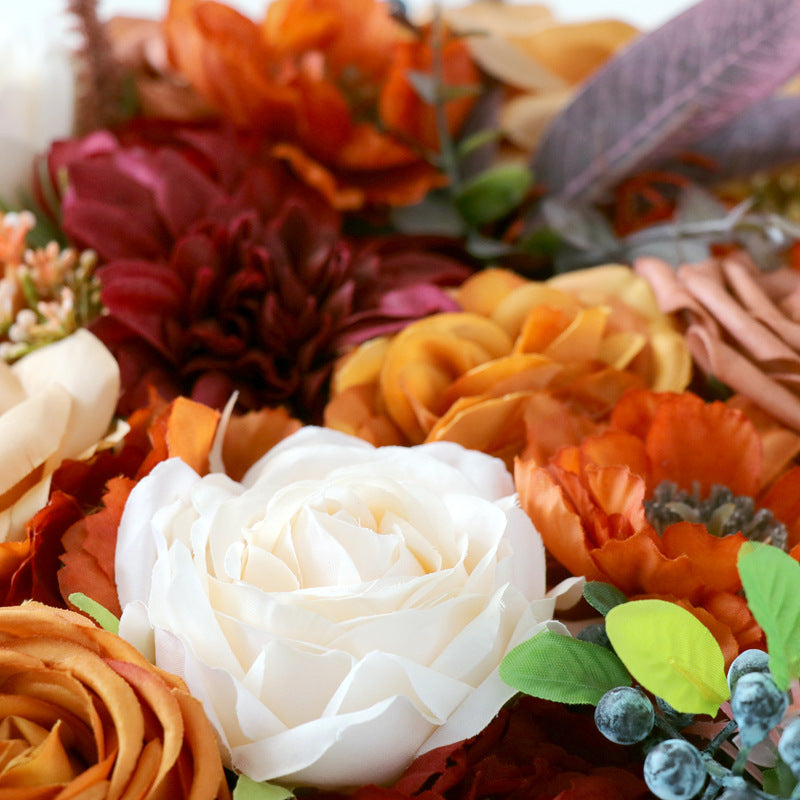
(341, 600)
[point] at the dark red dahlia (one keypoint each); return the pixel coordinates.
(222, 272)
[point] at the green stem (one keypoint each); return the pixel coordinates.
(741, 761)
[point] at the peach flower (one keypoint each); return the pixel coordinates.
(742, 325)
(553, 355)
(540, 61)
(85, 715)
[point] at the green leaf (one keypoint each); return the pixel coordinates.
(494, 193)
(248, 789)
(562, 669)
(602, 597)
(671, 653)
(779, 780)
(770, 578)
(100, 614)
(471, 143)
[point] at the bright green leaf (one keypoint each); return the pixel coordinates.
(602, 597)
(771, 578)
(494, 193)
(671, 653)
(100, 614)
(562, 669)
(247, 789)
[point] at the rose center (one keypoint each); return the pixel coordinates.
(722, 512)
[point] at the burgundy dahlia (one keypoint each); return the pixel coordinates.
(222, 272)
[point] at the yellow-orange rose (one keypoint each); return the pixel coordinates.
(521, 353)
(85, 715)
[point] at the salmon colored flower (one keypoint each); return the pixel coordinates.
(85, 715)
(660, 503)
(742, 325)
(326, 82)
(520, 360)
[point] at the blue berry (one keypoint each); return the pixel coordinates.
(673, 770)
(747, 661)
(624, 715)
(758, 706)
(789, 746)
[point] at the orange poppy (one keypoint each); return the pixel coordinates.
(630, 506)
(327, 82)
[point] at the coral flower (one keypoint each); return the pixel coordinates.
(222, 272)
(660, 503)
(326, 81)
(521, 360)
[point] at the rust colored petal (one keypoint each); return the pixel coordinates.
(560, 527)
(688, 441)
(89, 547)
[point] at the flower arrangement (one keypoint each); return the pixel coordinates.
(404, 407)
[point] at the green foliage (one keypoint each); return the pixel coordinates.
(493, 194)
(562, 669)
(247, 789)
(671, 653)
(771, 579)
(602, 597)
(100, 614)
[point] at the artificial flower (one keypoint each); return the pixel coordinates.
(340, 599)
(37, 94)
(221, 273)
(660, 503)
(326, 81)
(741, 323)
(518, 352)
(539, 61)
(85, 715)
(533, 748)
(55, 403)
(46, 293)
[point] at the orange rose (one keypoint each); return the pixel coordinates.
(85, 715)
(523, 356)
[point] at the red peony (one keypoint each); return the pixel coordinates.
(222, 272)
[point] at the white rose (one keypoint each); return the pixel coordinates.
(37, 95)
(341, 609)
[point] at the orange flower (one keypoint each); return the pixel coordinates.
(85, 715)
(323, 79)
(525, 363)
(635, 505)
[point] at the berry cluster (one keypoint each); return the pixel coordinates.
(674, 768)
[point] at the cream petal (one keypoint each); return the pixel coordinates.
(89, 374)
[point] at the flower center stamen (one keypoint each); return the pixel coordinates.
(722, 512)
